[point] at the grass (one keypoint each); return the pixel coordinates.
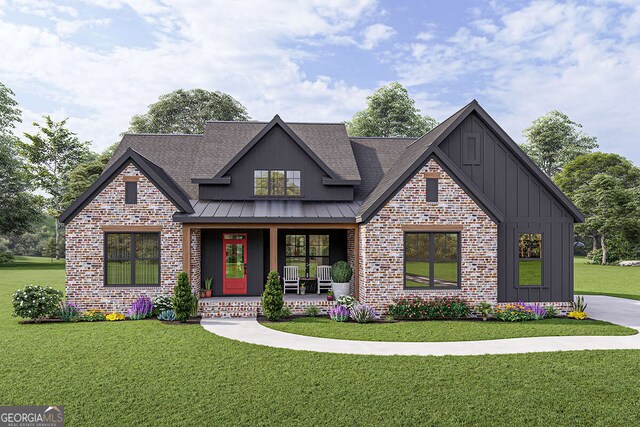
(149, 373)
(444, 330)
(615, 281)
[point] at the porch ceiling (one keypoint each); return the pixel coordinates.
(270, 211)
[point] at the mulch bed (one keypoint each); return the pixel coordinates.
(191, 321)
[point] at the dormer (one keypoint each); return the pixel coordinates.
(296, 161)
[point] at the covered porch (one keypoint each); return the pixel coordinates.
(238, 257)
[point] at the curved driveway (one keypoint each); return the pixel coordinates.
(615, 310)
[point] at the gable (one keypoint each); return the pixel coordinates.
(276, 149)
(499, 173)
(156, 175)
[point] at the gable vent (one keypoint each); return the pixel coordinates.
(471, 149)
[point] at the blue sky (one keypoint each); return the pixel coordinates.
(98, 62)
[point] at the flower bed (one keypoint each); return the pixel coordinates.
(417, 308)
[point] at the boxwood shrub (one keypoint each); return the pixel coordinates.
(417, 308)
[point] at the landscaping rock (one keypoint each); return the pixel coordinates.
(630, 263)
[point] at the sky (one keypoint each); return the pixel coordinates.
(99, 62)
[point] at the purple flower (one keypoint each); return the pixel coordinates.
(141, 308)
(339, 313)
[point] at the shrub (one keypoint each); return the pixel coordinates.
(578, 315)
(93, 315)
(36, 302)
(69, 312)
(272, 298)
(485, 309)
(339, 313)
(363, 313)
(285, 312)
(578, 304)
(163, 303)
(6, 256)
(417, 308)
(341, 272)
(114, 317)
(195, 302)
(520, 311)
(551, 311)
(169, 315)
(312, 311)
(182, 298)
(347, 301)
(141, 308)
(613, 256)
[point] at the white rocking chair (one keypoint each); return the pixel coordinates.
(324, 277)
(291, 278)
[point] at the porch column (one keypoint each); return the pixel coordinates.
(186, 249)
(273, 248)
(356, 262)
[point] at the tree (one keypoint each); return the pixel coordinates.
(186, 111)
(20, 208)
(554, 140)
(9, 111)
(182, 298)
(582, 169)
(54, 152)
(390, 112)
(85, 174)
(610, 209)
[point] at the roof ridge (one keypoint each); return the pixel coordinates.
(162, 134)
(255, 122)
(385, 137)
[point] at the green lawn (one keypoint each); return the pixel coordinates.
(623, 282)
(149, 373)
(443, 330)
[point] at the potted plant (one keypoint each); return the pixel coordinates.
(302, 288)
(329, 295)
(341, 273)
(208, 282)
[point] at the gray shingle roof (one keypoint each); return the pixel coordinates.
(407, 162)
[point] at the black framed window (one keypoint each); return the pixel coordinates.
(131, 192)
(432, 190)
(280, 183)
(431, 260)
(132, 259)
(530, 259)
(307, 251)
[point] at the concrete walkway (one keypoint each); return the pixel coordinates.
(616, 310)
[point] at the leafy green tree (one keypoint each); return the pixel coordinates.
(85, 174)
(182, 298)
(553, 140)
(390, 112)
(582, 169)
(610, 209)
(272, 298)
(9, 111)
(53, 152)
(186, 111)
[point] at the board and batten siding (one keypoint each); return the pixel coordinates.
(527, 207)
(276, 150)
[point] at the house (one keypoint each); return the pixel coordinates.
(460, 211)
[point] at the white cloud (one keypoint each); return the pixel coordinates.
(575, 57)
(374, 34)
(245, 49)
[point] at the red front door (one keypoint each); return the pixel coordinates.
(234, 263)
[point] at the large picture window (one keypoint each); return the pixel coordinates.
(530, 259)
(132, 259)
(307, 251)
(281, 183)
(431, 260)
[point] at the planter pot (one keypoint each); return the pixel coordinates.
(329, 297)
(203, 294)
(208, 293)
(340, 289)
(302, 291)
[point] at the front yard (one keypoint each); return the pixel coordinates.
(149, 373)
(623, 282)
(444, 330)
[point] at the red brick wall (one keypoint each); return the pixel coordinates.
(85, 244)
(382, 242)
